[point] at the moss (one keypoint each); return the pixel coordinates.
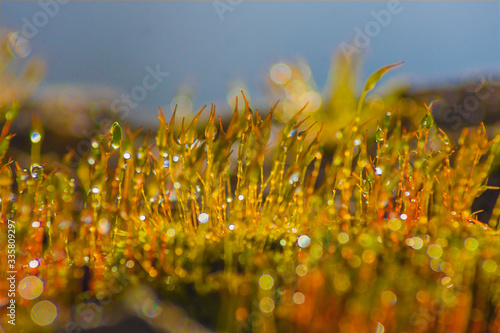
(378, 217)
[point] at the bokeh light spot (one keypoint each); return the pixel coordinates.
(18, 45)
(490, 266)
(30, 287)
(388, 298)
(303, 241)
(43, 313)
(298, 297)
(266, 281)
(471, 244)
(280, 73)
(434, 251)
(301, 270)
(266, 304)
(343, 238)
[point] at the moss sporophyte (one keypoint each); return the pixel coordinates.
(256, 226)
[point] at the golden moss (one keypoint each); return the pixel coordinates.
(273, 232)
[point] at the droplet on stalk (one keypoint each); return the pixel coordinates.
(116, 135)
(36, 137)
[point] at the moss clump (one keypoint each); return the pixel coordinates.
(255, 227)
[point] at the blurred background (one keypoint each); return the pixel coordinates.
(212, 49)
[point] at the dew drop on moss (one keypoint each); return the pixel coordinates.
(203, 218)
(303, 241)
(35, 137)
(379, 135)
(294, 178)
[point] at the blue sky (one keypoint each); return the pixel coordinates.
(112, 42)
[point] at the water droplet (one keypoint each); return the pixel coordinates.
(177, 185)
(357, 142)
(229, 200)
(34, 263)
(294, 178)
(203, 218)
(142, 217)
(35, 224)
(95, 145)
(379, 135)
(378, 170)
(241, 197)
(231, 227)
(96, 190)
(175, 158)
(166, 163)
(35, 170)
(303, 241)
(292, 133)
(403, 216)
(116, 135)
(35, 137)
(127, 155)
